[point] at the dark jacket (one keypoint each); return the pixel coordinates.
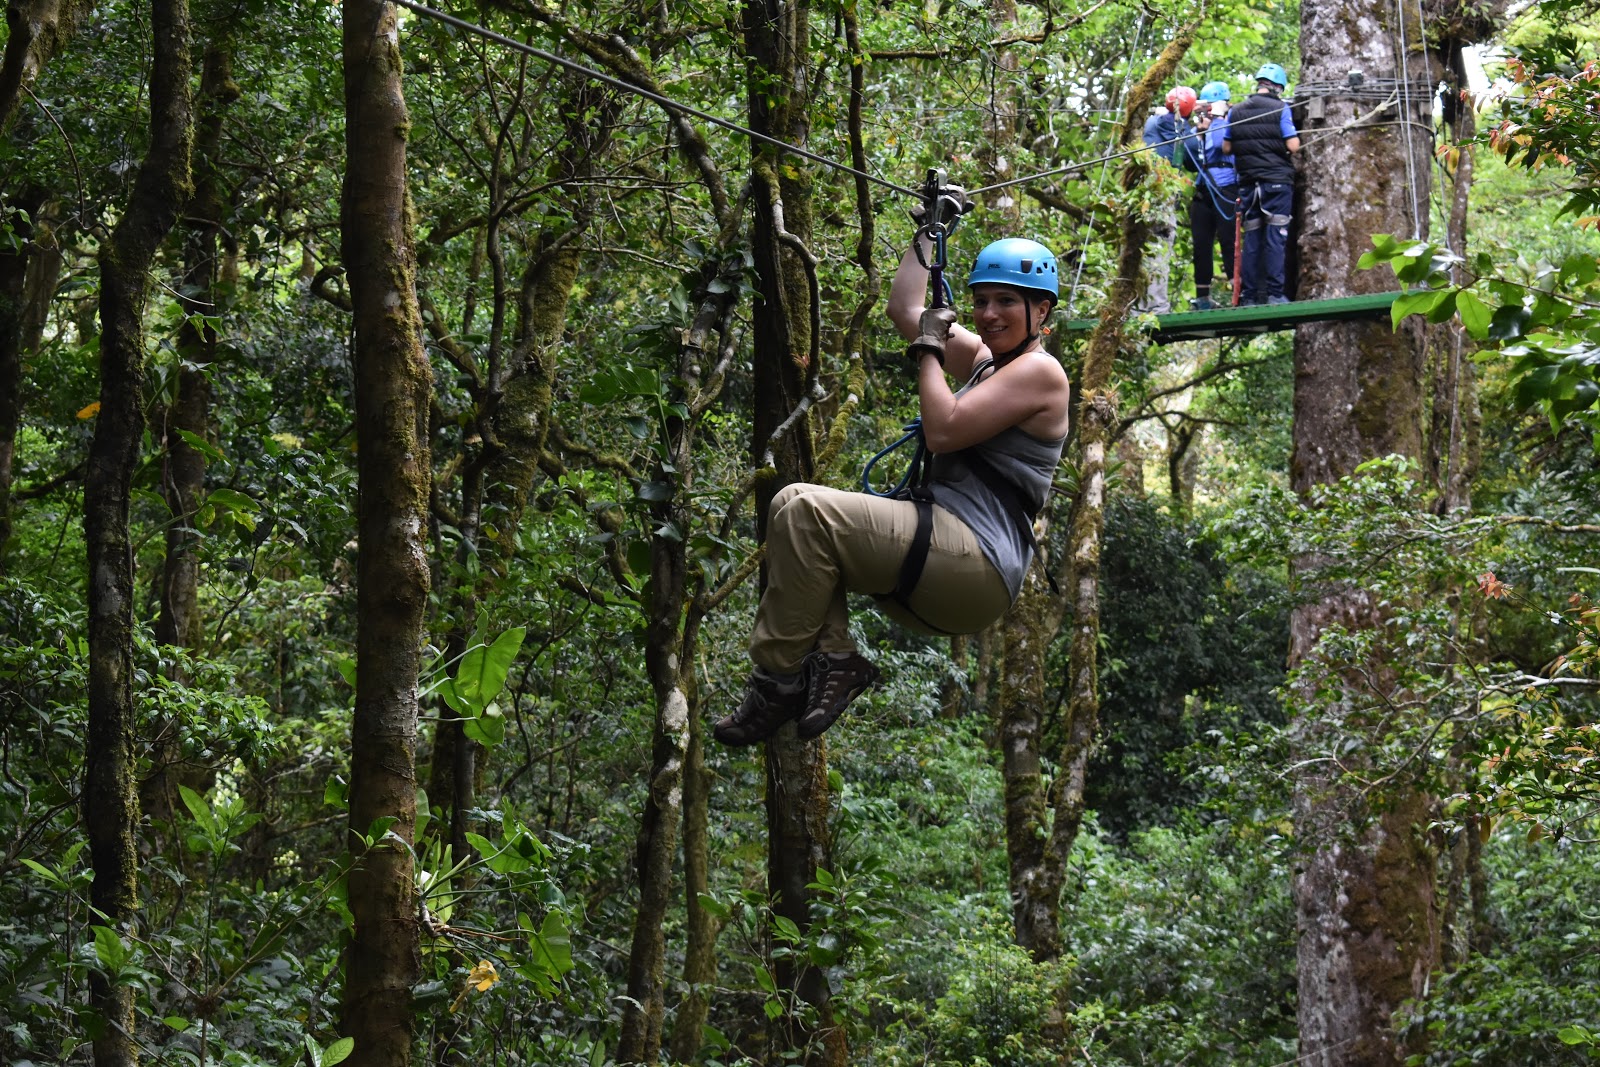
(1255, 131)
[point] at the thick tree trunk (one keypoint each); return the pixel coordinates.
(110, 799)
(14, 263)
(37, 29)
(178, 623)
(1365, 889)
(777, 40)
(393, 384)
(1041, 830)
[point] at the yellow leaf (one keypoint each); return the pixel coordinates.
(91, 411)
(483, 975)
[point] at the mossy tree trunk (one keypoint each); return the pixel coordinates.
(14, 265)
(1040, 836)
(672, 622)
(183, 471)
(1365, 887)
(36, 31)
(393, 385)
(787, 324)
(110, 797)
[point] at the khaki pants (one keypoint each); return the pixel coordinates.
(823, 543)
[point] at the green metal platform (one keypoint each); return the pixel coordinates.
(1263, 318)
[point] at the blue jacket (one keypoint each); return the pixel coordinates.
(1160, 130)
(1214, 166)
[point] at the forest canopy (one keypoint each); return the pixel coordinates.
(390, 406)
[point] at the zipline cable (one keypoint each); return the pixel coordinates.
(1083, 236)
(677, 107)
(666, 102)
(1405, 110)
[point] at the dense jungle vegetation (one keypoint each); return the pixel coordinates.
(386, 415)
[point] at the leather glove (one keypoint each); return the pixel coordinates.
(933, 332)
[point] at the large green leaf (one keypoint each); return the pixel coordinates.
(483, 670)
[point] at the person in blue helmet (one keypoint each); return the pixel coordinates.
(1216, 193)
(993, 441)
(1261, 135)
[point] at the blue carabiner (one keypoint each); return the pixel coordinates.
(913, 433)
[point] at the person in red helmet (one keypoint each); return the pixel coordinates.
(1163, 132)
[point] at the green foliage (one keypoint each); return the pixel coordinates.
(1531, 995)
(1193, 650)
(1177, 915)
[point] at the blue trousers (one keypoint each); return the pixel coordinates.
(1268, 208)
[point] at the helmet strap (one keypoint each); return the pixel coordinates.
(1002, 358)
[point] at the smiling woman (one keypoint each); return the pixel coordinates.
(950, 557)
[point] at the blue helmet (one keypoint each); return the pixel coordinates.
(1271, 72)
(1215, 91)
(1019, 263)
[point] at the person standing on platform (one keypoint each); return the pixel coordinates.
(1216, 193)
(1162, 132)
(1261, 136)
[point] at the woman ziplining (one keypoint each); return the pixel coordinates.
(948, 555)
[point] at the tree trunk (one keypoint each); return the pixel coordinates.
(1000, 120)
(701, 926)
(14, 265)
(183, 475)
(37, 29)
(1365, 889)
(393, 384)
(1035, 879)
(777, 40)
(178, 624)
(110, 800)
(1037, 849)
(670, 629)
(1453, 439)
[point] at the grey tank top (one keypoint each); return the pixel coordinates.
(1024, 460)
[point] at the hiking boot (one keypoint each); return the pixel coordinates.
(837, 678)
(770, 700)
(1201, 303)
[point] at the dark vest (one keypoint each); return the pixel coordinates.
(1259, 151)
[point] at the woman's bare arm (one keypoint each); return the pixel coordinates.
(1031, 391)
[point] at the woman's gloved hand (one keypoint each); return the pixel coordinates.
(933, 331)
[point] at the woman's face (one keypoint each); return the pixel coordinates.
(1000, 316)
